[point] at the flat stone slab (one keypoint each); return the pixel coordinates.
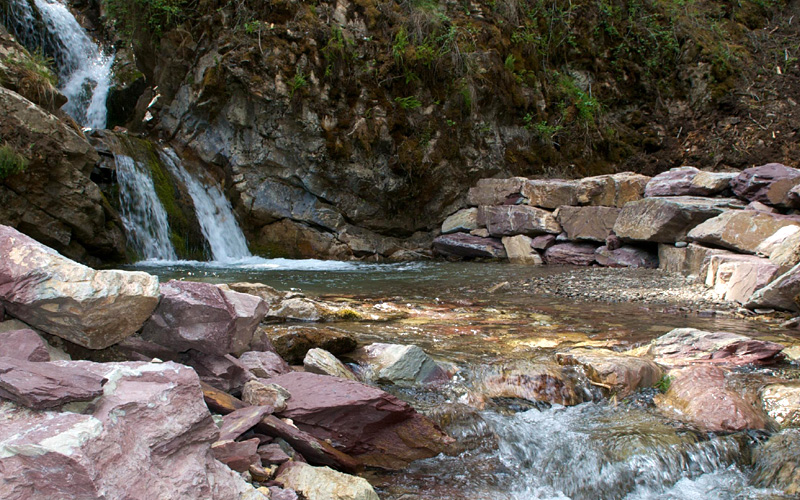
(496, 192)
(467, 246)
(588, 223)
(740, 230)
(517, 219)
(46, 385)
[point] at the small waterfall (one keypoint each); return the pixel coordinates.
(214, 213)
(142, 213)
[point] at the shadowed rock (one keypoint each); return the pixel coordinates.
(46, 385)
(468, 246)
(768, 183)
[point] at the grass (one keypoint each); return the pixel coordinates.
(11, 162)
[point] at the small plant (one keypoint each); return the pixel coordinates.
(510, 61)
(407, 103)
(11, 162)
(663, 383)
(298, 82)
(450, 123)
(346, 313)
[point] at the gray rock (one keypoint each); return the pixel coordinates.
(781, 401)
(514, 220)
(769, 245)
(258, 393)
(712, 183)
(768, 184)
(465, 220)
(690, 260)
(264, 364)
(611, 190)
(496, 192)
(324, 363)
(786, 253)
(772, 467)
(587, 223)
(405, 365)
(323, 483)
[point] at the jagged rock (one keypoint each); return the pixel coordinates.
(740, 230)
(291, 239)
(149, 428)
(324, 363)
(238, 455)
(533, 383)
(226, 373)
(25, 345)
(667, 220)
(468, 246)
(376, 428)
(760, 207)
(257, 393)
(781, 401)
(517, 219)
(699, 396)
(712, 183)
(768, 183)
(42, 386)
(787, 253)
(323, 483)
(674, 182)
(293, 342)
(264, 364)
(274, 200)
(776, 465)
(204, 317)
(240, 421)
(550, 193)
(611, 190)
(575, 254)
(691, 260)
(91, 308)
(543, 242)
(736, 277)
(273, 454)
(684, 346)
(781, 293)
(587, 223)
(464, 220)
(619, 373)
(398, 364)
(496, 192)
(519, 250)
(769, 245)
(270, 295)
(626, 256)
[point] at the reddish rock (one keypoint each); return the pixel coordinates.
(735, 277)
(46, 385)
(588, 223)
(276, 493)
(514, 220)
(225, 373)
(674, 182)
(240, 421)
(365, 422)
(272, 454)
(264, 364)
(575, 254)
(468, 246)
(544, 241)
(613, 242)
(621, 374)
(760, 207)
(781, 293)
(25, 344)
(238, 455)
(495, 191)
(204, 317)
(533, 383)
(768, 184)
(684, 346)
(740, 230)
(626, 256)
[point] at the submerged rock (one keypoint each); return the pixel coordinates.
(324, 483)
(683, 346)
(776, 464)
(781, 401)
(546, 384)
(619, 373)
(398, 364)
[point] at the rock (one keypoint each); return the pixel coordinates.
(94, 309)
(46, 385)
(295, 240)
(293, 342)
(575, 254)
(786, 254)
(367, 423)
(268, 294)
(781, 293)
(760, 207)
(613, 242)
(699, 396)
(691, 260)
(264, 364)
(543, 242)
(204, 317)
(481, 232)
(149, 428)
(550, 193)
(514, 220)
(273, 454)
(406, 365)
(666, 220)
(626, 256)
(468, 246)
(769, 245)
(587, 223)
(776, 465)
(238, 455)
(611, 190)
(740, 230)
(257, 393)
(240, 421)
(768, 184)
(496, 192)
(794, 196)
(25, 345)
(323, 483)
(619, 373)
(282, 494)
(324, 363)
(464, 220)
(683, 346)
(519, 250)
(533, 383)
(736, 277)
(225, 373)
(300, 309)
(674, 182)
(781, 402)
(712, 183)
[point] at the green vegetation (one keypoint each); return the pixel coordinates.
(11, 162)
(298, 82)
(147, 17)
(663, 383)
(410, 102)
(31, 75)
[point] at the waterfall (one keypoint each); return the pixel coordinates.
(142, 213)
(84, 71)
(214, 213)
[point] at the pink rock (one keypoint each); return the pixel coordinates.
(575, 254)
(225, 373)
(544, 241)
(238, 455)
(272, 454)
(768, 184)
(369, 424)
(236, 423)
(626, 256)
(276, 493)
(674, 182)
(684, 346)
(24, 344)
(204, 317)
(46, 385)
(781, 293)
(264, 364)
(588, 223)
(468, 246)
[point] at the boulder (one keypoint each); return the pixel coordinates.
(324, 483)
(740, 230)
(699, 396)
(242, 420)
(690, 260)
(225, 373)
(626, 256)
(149, 428)
(293, 342)
(406, 365)
(25, 345)
(543, 242)
(362, 421)
(238, 455)
(204, 317)
(781, 401)
(324, 363)
(574, 254)
(786, 254)
(587, 223)
(268, 294)
(712, 183)
(463, 221)
(496, 192)
(42, 386)
(468, 246)
(550, 193)
(667, 220)
(775, 463)
(94, 309)
(768, 184)
(619, 373)
(519, 250)
(611, 190)
(517, 219)
(769, 245)
(674, 182)
(735, 277)
(543, 383)
(273, 454)
(781, 293)
(257, 393)
(685, 346)
(282, 494)
(300, 309)
(264, 364)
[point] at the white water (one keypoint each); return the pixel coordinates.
(214, 213)
(142, 213)
(84, 71)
